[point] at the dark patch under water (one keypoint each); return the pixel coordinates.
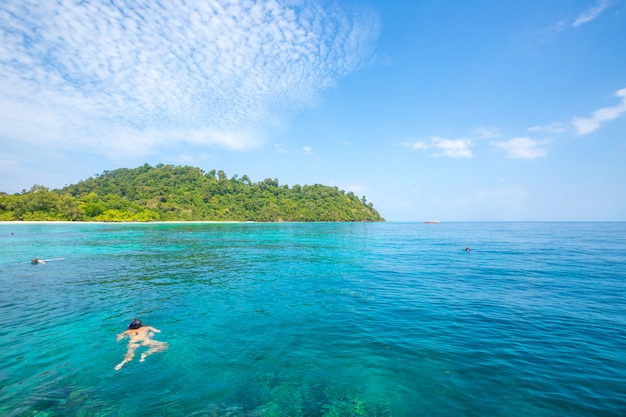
(327, 319)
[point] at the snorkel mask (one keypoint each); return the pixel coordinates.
(135, 324)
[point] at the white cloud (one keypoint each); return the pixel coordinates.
(555, 127)
(586, 16)
(584, 125)
(523, 148)
(279, 148)
(420, 145)
(304, 150)
(486, 132)
(453, 148)
(591, 13)
(132, 78)
(557, 27)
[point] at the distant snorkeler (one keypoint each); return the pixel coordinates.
(36, 260)
(467, 249)
(140, 335)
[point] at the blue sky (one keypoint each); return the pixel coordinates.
(451, 110)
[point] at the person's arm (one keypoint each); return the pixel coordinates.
(154, 329)
(121, 335)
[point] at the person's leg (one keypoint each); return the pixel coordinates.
(130, 354)
(154, 348)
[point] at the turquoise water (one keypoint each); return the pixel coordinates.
(385, 319)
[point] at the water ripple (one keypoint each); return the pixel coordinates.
(392, 319)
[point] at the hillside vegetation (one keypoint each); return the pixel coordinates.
(183, 193)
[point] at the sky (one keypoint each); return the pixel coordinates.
(482, 110)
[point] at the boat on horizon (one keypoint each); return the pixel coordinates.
(431, 222)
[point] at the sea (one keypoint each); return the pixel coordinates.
(315, 319)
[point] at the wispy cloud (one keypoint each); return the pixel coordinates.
(115, 76)
(304, 150)
(486, 132)
(591, 13)
(279, 148)
(584, 125)
(586, 16)
(523, 147)
(555, 127)
(453, 148)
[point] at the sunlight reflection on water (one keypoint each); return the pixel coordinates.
(315, 319)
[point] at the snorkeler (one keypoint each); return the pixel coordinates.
(140, 335)
(36, 261)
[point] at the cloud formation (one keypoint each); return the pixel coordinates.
(486, 132)
(554, 127)
(523, 148)
(586, 16)
(591, 13)
(117, 76)
(584, 125)
(453, 148)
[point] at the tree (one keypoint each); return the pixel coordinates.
(168, 192)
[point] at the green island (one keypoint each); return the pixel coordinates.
(184, 193)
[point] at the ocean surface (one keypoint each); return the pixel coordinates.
(324, 319)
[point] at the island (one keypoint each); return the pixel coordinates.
(184, 193)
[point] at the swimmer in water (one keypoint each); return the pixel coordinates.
(140, 335)
(36, 261)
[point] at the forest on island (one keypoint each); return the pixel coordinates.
(184, 193)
